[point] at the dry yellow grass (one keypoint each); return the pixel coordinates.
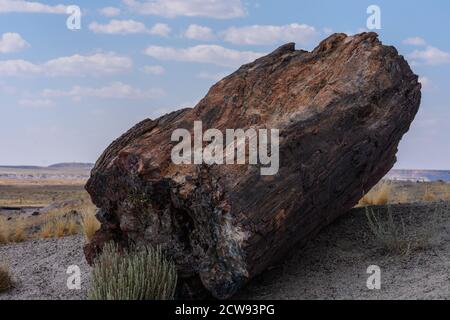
(18, 230)
(90, 223)
(6, 282)
(4, 230)
(12, 231)
(428, 196)
(379, 195)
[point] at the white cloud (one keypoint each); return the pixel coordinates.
(36, 103)
(269, 34)
(109, 11)
(219, 9)
(116, 90)
(12, 42)
(160, 29)
(157, 70)
(213, 54)
(7, 6)
(430, 56)
(424, 81)
(76, 65)
(129, 27)
(19, 67)
(118, 27)
(212, 76)
(197, 32)
(415, 41)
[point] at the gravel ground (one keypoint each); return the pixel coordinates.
(332, 266)
(39, 268)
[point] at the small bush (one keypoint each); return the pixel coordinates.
(391, 235)
(136, 274)
(6, 282)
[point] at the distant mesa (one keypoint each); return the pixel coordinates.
(72, 165)
(419, 175)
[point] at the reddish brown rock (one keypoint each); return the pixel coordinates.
(341, 111)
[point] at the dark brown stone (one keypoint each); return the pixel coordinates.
(341, 110)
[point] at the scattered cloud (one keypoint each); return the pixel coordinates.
(197, 32)
(156, 70)
(269, 34)
(129, 27)
(212, 54)
(160, 29)
(219, 9)
(425, 81)
(9, 6)
(36, 103)
(12, 42)
(109, 11)
(429, 56)
(415, 41)
(75, 65)
(116, 90)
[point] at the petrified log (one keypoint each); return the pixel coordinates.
(341, 111)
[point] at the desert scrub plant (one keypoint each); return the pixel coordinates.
(6, 282)
(90, 223)
(379, 195)
(391, 235)
(398, 237)
(135, 274)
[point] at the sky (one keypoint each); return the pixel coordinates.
(67, 92)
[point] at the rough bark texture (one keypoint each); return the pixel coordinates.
(341, 109)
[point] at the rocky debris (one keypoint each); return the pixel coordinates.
(341, 111)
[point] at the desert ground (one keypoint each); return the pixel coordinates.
(402, 227)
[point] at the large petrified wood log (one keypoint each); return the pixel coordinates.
(341, 111)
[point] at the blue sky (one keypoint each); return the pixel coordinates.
(65, 95)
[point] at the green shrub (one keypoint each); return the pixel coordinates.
(135, 274)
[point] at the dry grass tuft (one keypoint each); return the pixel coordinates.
(379, 195)
(394, 236)
(6, 282)
(4, 230)
(58, 227)
(12, 231)
(428, 195)
(90, 223)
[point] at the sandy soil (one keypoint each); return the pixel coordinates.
(333, 266)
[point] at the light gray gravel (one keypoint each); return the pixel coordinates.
(39, 268)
